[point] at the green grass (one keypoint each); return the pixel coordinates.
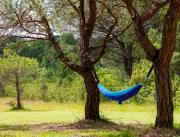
(37, 112)
(68, 133)
(41, 112)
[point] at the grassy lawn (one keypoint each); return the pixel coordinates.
(68, 133)
(40, 112)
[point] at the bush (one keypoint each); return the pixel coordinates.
(146, 94)
(70, 87)
(111, 78)
(176, 90)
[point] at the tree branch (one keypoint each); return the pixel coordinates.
(73, 6)
(153, 10)
(120, 32)
(82, 14)
(145, 43)
(25, 37)
(104, 44)
(92, 17)
(58, 50)
(169, 33)
(22, 26)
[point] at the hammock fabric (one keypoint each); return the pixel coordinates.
(120, 95)
(125, 94)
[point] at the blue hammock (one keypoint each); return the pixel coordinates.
(120, 95)
(125, 94)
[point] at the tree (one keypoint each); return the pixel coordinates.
(34, 18)
(15, 70)
(164, 117)
(87, 21)
(119, 51)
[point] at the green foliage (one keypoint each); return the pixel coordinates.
(110, 77)
(155, 36)
(176, 90)
(66, 91)
(43, 84)
(70, 90)
(140, 70)
(14, 66)
(58, 83)
(122, 134)
(175, 64)
(139, 73)
(69, 87)
(44, 55)
(67, 39)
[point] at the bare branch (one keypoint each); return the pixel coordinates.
(22, 26)
(115, 36)
(58, 50)
(73, 6)
(92, 16)
(105, 41)
(153, 10)
(82, 14)
(145, 43)
(24, 37)
(103, 46)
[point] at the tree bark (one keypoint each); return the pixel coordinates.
(164, 117)
(93, 96)
(128, 60)
(86, 68)
(164, 92)
(18, 93)
(126, 55)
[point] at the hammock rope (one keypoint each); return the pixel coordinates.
(125, 94)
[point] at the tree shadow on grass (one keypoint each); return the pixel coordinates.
(162, 133)
(80, 125)
(24, 110)
(101, 125)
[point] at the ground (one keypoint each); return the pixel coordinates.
(40, 119)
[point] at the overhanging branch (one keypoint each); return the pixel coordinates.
(145, 43)
(152, 11)
(58, 50)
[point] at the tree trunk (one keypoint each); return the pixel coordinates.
(164, 117)
(127, 56)
(128, 60)
(93, 96)
(2, 90)
(18, 93)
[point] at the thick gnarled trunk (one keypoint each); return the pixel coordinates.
(164, 117)
(93, 97)
(87, 24)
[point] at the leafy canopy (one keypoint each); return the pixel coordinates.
(13, 65)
